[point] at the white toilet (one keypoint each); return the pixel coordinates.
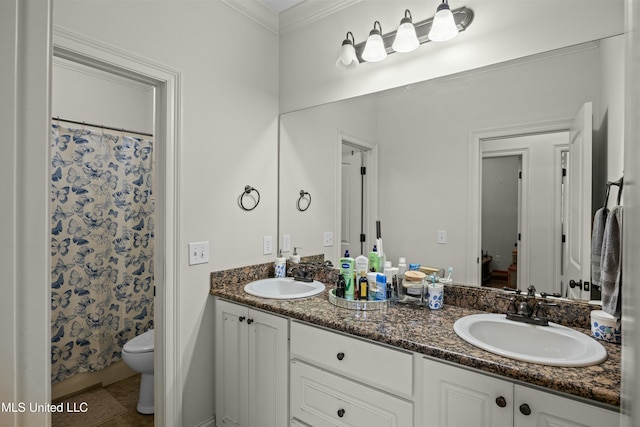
(138, 355)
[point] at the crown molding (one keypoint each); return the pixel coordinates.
(294, 18)
(309, 11)
(256, 12)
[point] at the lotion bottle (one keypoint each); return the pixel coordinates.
(347, 270)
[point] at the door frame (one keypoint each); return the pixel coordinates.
(167, 130)
(474, 185)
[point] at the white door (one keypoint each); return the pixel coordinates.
(455, 397)
(578, 218)
(353, 200)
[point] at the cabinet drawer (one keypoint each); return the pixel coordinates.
(376, 365)
(322, 399)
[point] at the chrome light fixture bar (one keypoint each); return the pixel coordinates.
(462, 16)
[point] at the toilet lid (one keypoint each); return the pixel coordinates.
(143, 343)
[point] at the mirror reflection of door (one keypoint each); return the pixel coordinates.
(354, 184)
(539, 235)
(579, 215)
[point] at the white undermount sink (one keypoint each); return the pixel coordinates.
(553, 345)
(283, 288)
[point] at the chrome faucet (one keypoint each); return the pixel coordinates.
(302, 273)
(529, 310)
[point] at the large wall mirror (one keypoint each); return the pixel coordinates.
(422, 148)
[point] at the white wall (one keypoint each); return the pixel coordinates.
(228, 140)
(501, 30)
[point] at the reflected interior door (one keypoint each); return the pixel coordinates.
(579, 204)
(353, 198)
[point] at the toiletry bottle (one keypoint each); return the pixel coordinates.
(374, 260)
(295, 258)
(402, 265)
(280, 266)
(340, 285)
(363, 285)
(362, 264)
(381, 284)
(347, 270)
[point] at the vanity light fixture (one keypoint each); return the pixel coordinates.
(406, 38)
(374, 50)
(348, 58)
(445, 25)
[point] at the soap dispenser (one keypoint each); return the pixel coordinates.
(280, 265)
(295, 258)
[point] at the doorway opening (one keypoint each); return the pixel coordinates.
(358, 200)
(166, 123)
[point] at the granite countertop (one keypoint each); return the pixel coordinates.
(431, 333)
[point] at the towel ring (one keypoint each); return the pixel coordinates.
(248, 190)
(302, 197)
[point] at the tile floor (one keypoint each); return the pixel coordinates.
(126, 392)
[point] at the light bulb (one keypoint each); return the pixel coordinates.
(444, 26)
(347, 59)
(374, 50)
(406, 39)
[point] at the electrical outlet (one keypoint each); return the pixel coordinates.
(198, 253)
(328, 238)
(286, 243)
(442, 236)
(267, 245)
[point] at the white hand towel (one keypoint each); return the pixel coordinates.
(611, 263)
(597, 237)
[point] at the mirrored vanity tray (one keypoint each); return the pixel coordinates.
(359, 305)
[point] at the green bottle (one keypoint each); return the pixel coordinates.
(374, 260)
(347, 270)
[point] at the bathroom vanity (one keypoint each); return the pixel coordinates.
(306, 362)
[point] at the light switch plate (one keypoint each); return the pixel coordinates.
(328, 238)
(198, 253)
(286, 243)
(267, 245)
(442, 236)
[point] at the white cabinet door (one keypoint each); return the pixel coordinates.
(232, 376)
(251, 367)
(268, 370)
(455, 397)
(550, 410)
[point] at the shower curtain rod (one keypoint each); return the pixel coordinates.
(100, 126)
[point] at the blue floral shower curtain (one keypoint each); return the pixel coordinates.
(102, 247)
